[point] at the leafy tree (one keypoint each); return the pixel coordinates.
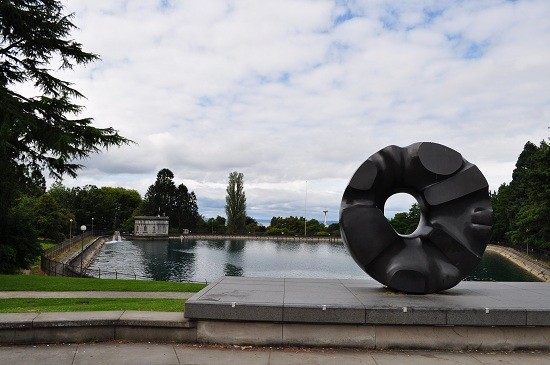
(295, 226)
(276, 231)
(406, 222)
(334, 229)
(400, 222)
(235, 206)
(111, 208)
(41, 131)
(289, 225)
(315, 228)
(252, 226)
(62, 195)
(19, 248)
(211, 225)
(218, 224)
(52, 221)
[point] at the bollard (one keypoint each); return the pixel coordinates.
(116, 275)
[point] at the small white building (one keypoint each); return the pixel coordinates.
(150, 226)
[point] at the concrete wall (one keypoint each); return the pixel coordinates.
(527, 263)
(374, 336)
(34, 328)
(88, 254)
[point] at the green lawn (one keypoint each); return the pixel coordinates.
(57, 283)
(33, 305)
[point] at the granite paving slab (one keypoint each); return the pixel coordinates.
(367, 302)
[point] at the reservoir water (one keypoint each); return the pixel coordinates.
(207, 260)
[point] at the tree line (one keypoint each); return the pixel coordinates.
(522, 207)
(297, 226)
(56, 213)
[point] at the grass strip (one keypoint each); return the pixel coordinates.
(35, 305)
(58, 283)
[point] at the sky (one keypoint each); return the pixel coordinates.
(297, 94)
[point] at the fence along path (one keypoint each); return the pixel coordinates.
(70, 259)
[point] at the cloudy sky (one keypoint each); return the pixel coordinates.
(294, 91)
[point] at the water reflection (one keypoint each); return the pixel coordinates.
(207, 260)
(215, 245)
(494, 267)
(232, 270)
(235, 245)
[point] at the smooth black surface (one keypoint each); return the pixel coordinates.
(455, 224)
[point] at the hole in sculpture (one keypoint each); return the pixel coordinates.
(403, 213)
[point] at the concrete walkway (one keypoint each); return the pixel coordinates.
(145, 353)
(94, 294)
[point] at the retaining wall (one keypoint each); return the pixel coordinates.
(527, 263)
(163, 327)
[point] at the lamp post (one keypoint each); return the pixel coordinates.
(305, 213)
(83, 229)
(92, 226)
(71, 231)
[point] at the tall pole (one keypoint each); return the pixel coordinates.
(305, 213)
(83, 229)
(92, 226)
(71, 231)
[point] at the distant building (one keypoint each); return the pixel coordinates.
(150, 226)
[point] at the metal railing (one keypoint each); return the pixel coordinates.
(530, 252)
(53, 267)
(282, 237)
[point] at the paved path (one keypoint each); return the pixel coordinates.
(94, 294)
(146, 353)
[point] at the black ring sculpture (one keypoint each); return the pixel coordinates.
(455, 225)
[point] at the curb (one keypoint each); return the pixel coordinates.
(172, 327)
(36, 328)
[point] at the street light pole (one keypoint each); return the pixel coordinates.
(92, 226)
(83, 229)
(71, 231)
(305, 213)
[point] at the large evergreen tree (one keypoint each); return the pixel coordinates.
(235, 206)
(522, 208)
(41, 131)
(176, 202)
(160, 197)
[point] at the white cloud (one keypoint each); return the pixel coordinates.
(290, 91)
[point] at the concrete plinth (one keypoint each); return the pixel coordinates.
(362, 313)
